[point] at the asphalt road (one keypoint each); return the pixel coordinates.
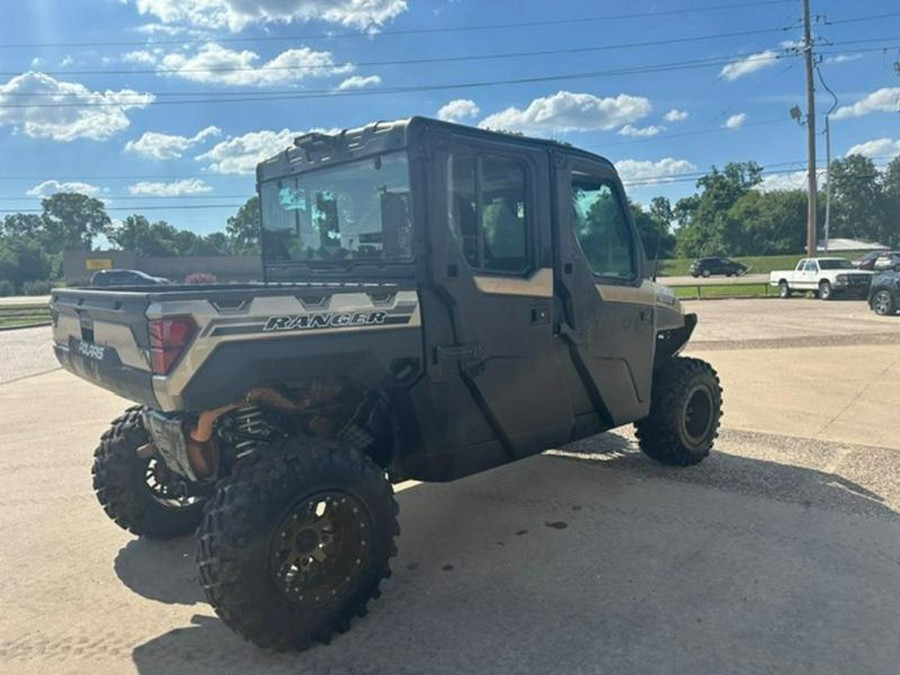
(781, 553)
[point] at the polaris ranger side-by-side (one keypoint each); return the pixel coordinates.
(438, 300)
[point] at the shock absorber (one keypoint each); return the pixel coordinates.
(251, 426)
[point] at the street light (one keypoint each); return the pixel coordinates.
(827, 157)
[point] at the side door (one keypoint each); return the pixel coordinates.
(609, 307)
(491, 268)
(811, 275)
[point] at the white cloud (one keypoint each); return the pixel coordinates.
(214, 64)
(44, 107)
(793, 180)
(736, 121)
(67, 61)
(567, 111)
(167, 146)
(241, 154)
(458, 109)
(630, 130)
(843, 58)
(676, 115)
(143, 57)
(883, 100)
(649, 172)
(235, 15)
(882, 147)
(359, 82)
(749, 64)
(51, 187)
(175, 189)
(38, 62)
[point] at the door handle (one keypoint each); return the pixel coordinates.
(540, 315)
(646, 315)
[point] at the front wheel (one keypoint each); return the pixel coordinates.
(706, 274)
(883, 303)
(138, 493)
(297, 541)
(825, 291)
(685, 409)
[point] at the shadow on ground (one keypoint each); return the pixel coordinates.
(596, 561)
(161, 570)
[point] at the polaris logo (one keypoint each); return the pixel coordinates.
(325, 320)
(95, 352)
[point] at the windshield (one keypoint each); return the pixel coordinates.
(835, 265)
(354, 211)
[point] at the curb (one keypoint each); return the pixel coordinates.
(27, 325)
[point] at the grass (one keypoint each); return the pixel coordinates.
(678, 267)
(724, 291)
(15, 316)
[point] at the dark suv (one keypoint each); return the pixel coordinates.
(884, 294)
(125, 278)
(704, 267)
(888, 260)
(867, 260)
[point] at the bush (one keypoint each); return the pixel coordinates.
(200, 278)
(40, 287)
(7, 288)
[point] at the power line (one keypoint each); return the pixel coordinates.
(401, 62)
(233, 97)
(140, 100)
(411, 31)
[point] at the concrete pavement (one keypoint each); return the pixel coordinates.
(781, 553)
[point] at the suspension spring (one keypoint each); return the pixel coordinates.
(251, 424)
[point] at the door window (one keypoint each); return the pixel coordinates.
(602, 228)
(488, 211)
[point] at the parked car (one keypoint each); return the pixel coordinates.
(704, 267)
(125, 278)
(884, 295)
(826, 276)
(888, 260)
(867, 260)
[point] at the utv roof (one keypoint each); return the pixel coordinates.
(379, 137)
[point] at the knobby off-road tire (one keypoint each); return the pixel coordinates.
(296, 542)
(134, 491)
(685, 409)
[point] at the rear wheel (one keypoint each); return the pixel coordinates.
(138, 493)
(685, 409)
(784, 291)
(883, 303)
(825, 291)
(297, 541)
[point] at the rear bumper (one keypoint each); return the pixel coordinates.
(102, 366)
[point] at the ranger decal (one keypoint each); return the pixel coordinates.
(324, 320)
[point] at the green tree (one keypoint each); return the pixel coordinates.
(653, 228)
(890, 207)
(704, 229)
(136, 233)
(72, 220)
(243, 228)
(858, 196)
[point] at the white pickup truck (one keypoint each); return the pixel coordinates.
(826, 276)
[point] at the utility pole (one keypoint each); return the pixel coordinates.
(810, 134)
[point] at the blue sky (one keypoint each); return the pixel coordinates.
(163, 107)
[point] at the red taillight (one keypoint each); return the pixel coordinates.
(168, 338)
